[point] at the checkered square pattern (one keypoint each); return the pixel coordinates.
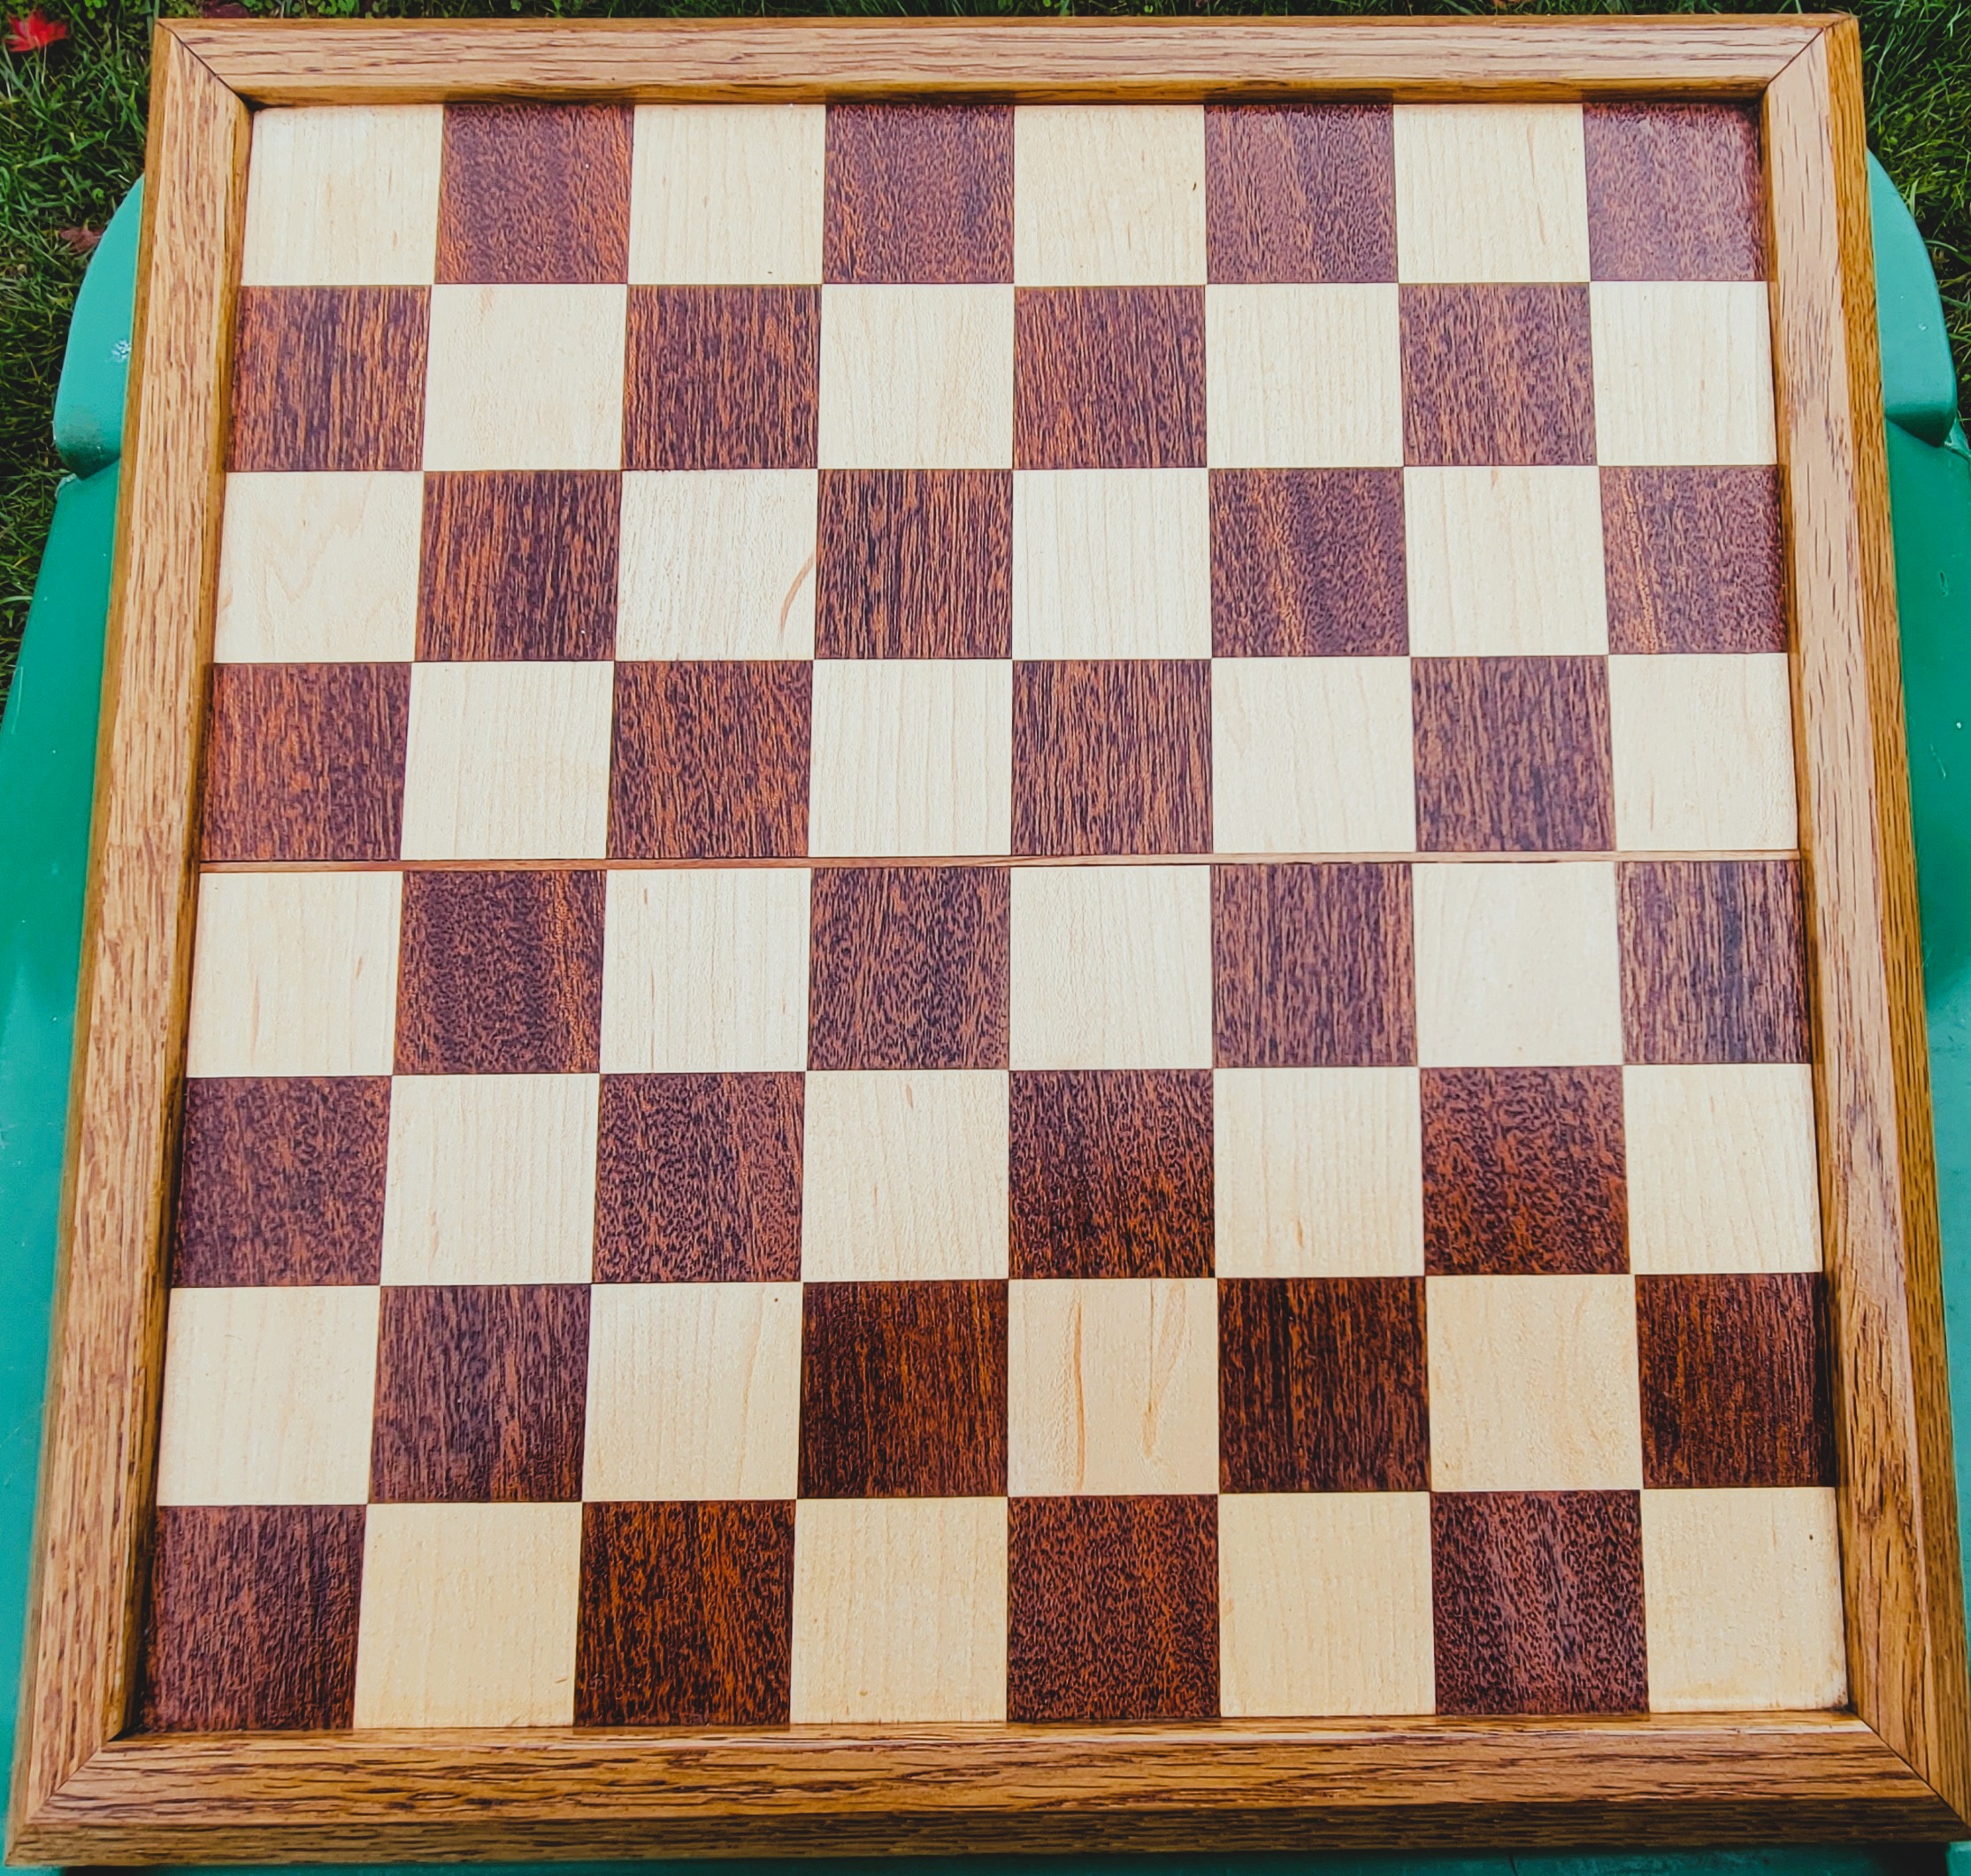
(1000, 923)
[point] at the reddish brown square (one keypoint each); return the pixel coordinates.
(1537, 1602)
(1299, 192)
(687, 1615)
(480, 1393)
(251, 1618)
(909, 967)
(1673, 192)
(535, 192)
(1112, 755)
(500, 972)
(518, 564)
(328, 378)
(1308, 563)
(1523, 1172)
(1497, 374)
(1713, 960)
(914, 564)
(1693, 560)
(1512, 754)
(711, 761)
(903, 1390)
(920, 193)
(698, 1179)
(1111, 1174)
(1109, 377)
(1734, 1380)
(1321, 1385)
(1112, 1609)
(1312, 966)
(305, 762)
(281, 1182)
(722, 377)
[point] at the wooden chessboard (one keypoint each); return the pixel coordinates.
(1000, 932)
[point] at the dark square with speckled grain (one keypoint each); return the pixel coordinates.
(1299, 193)
(1673, 192)
(919, 194)
(535, 193)
(1496, 374)
(1109, 377)
(1693, 559)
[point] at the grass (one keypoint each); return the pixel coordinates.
(72, 143)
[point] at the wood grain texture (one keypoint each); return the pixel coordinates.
(922, 193)
(535, 192)
(1673, 192)
(723, 193)
(1490, 192)
(1109, 377)
(1683, 371)
(721, 378)
(1694, 559)
(1299, 192)
(1109, 195)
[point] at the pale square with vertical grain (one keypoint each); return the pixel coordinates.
(705, 968)
(1517, 965)
(1741, 1599)
(899, 1610)
(1312, 756)
(1683, 371)
(1317, 1172)
(1490, 192)
(904, 1175)
(1112, 1386)
(318, 568)
(268, 1395)
(508, 761)
(1111, 966)
(1108, 194)
(1324, 1604)
(526, 378)
(468, 1615)
(1111, 563)
(1302, 378)
(343, 195)
(1505, 563)
(294, 974)
(1533, 1384)
(1723, 1171)
(916, 377)
(910, 756)
(693, 1392)
(727, 193)
(491, 1179)
(716, 563)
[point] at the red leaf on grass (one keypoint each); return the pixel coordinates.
(34, 32)
(82, 242)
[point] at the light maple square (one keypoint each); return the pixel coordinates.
(1108, 194)
(1683, 371)
(1490, 192)
(727, 194)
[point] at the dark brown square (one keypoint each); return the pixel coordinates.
(1537, 1600)
(687, 1615)
(328, 378)
(1111, 1174)
(1713, 960)
(1497, 375)
(1322, 1385)
(1308, 563)
(1734, 1380)
(535, 192)
(1523, 1172)
(1112, 755)
(1513, 755)
(480, 1393)
(1109, 377)
(919, 193)
(251, 1618)
(909, 967)
(711, 761)
(722, 377)
(903, 1390)
(281, 1182)
(500, 972)
(1299, 193)
(518, 564)
(305, 762)
(1112, 1609)
(698, 1179)
(1673, 192)
(914, 564)
(1693, 559)
(1312, 966)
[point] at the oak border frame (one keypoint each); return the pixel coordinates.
(1898, 1765)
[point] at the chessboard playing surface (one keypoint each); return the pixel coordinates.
(1000, 922)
